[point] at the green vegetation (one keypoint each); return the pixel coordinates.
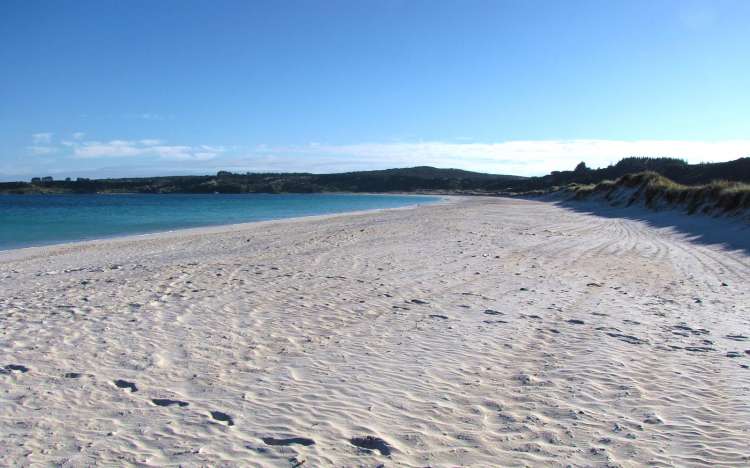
(391, 180)
(655, 181)
(656, 191)
(675, 169)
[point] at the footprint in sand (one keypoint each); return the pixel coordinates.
(736, 337)
(168, 402)
(223, 417)
(125, 384)
(16, 368)
(288, 441)
(372, 443)
(627, 338)
(653, 418)
(685, 330)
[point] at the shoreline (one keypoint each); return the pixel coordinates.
(476, 332)
(211, 227)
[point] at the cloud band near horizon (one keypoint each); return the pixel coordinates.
(519, 157)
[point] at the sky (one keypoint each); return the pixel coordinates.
(112, 88)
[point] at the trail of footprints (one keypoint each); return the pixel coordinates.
(677, 337)
(683, 330)
(366, 443)
(698, 337)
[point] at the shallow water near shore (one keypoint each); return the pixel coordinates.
(31, 220)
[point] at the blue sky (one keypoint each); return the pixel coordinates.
(121, 88)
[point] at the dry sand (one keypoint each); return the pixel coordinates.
(485, 332)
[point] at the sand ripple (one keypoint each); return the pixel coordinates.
(485, 332)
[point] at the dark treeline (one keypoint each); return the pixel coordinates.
(390, 180)
(677, 170)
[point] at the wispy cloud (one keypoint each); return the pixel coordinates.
(41, 144)
(148, 116)
(41, 150)
(523, 157)
(41, 138)
(149, 147)
(78, 148)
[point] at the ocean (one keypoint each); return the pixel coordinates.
(31, 220)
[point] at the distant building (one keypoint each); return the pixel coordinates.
(67, 179)
(81, 179)
(35, 180)
(47, 179)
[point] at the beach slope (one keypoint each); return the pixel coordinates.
(482, 332)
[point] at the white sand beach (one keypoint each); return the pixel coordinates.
(481, 332)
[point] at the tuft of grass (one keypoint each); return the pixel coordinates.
(654, 190)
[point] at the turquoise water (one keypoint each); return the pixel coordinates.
(28, 220)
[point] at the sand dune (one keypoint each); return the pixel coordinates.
(483, 332)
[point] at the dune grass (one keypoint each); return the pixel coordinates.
(655, 190)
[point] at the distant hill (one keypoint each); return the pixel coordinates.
(428, 172)
(412, 179)
(415, 178)
(423, 178)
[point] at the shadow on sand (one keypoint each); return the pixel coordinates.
(718, 231)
